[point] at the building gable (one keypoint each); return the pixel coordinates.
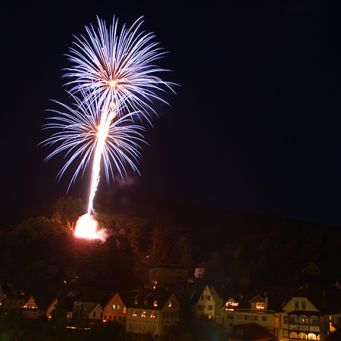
(96, 313)
(30, 304)
(115, 309)
(299, 304)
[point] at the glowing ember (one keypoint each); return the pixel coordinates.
(87, 227)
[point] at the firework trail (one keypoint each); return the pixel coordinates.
(113, 82)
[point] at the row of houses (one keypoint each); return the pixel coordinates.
(155, 309)
(150, 311)
(301, 316)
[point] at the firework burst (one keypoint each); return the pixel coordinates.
(118, 65)
(113, 82)
(77, 131)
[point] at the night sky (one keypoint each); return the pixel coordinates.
(254, 127)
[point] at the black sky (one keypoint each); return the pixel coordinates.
(255, 125)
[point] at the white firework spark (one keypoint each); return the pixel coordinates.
(83, 129)
(118, 65)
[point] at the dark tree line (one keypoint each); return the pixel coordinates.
(239, 254)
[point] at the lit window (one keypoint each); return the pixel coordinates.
(170, 304)
(124, 310)
(304, 319)
(293, 335)
(134, 313)
(153, 315)
(136, 301)
(260, 305)
(155, 303)
(303, 336)
(144, 313)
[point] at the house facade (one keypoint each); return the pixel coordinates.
(30, 309)
(96, 313)
(244, 312)
(301, 319)
(208, 304)
(115, 309)
(81, 309)
(153, 313)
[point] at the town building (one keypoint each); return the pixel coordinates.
(115, 309)
(247, 311)
(152, 312)
(208, 304)
(96, 313)
(301, 319)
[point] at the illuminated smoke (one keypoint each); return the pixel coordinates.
(87, 227)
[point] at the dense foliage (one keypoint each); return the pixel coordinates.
(240, 252)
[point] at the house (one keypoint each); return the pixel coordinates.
(115, 309)
(304, 316)
(208, 304)
(246, 311)
(96, 313)
(167, 274)
(152, 312)
(30, 308)
(301, 319)
(87, 304)
(82, 308)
